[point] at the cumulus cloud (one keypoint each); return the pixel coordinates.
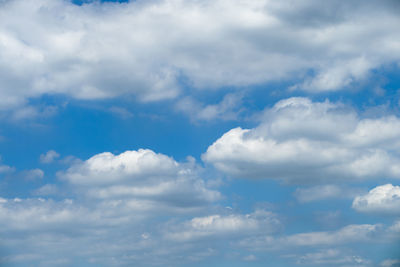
(143, 177)
(123, 200)
(49, 157)
(99, 51)
(299, 140)
(382, 199)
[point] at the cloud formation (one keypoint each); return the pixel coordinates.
(303, 141)
(49, 157)
(123, 200)
(146, 49)
(233, 225)
(143, 178)
(384, 199)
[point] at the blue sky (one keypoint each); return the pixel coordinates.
(199, 133)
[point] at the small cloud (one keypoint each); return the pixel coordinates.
(49, 157)
(33, 174)
(6, 169)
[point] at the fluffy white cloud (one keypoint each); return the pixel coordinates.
(299, 140)
(143, 178)
(145, 48)
(381, 199)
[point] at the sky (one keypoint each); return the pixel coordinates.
(200, 133)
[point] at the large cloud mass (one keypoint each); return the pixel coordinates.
(299, 140)
(109, 212)
(145, 48)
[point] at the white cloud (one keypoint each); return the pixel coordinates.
(382, 199)
(49, 157)
(299, 140)
(33, 230)
(229, 225)
(144, 177)
(101, 51)
(112, 210)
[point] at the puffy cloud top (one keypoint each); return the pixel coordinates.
(130, 165)
(300, 140)
(141, 174)
(381, 199)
